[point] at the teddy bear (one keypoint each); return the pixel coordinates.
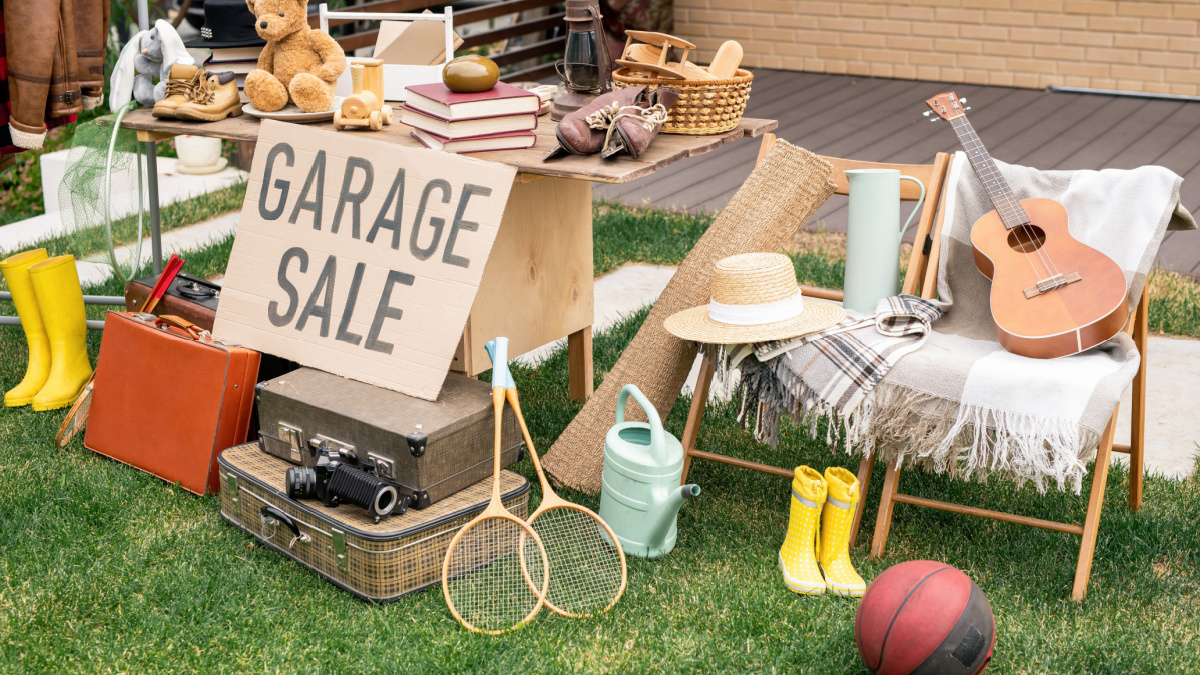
(298, 64)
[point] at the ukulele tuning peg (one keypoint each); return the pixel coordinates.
(926, 113)
(962, 100)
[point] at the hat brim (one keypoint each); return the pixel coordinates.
(694, 324)
(201, 43)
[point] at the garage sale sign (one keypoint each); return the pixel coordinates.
(360, 257)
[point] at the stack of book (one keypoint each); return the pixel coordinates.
(501, 118)
(240, 60)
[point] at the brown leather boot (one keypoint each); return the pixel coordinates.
(214, 99)
(183, 80)
(633, 134)
(574, 134)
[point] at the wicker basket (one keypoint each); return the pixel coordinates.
(704, 106)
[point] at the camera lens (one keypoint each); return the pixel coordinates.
(301, 482)
(385, 500)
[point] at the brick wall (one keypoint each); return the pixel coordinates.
(1149, 46)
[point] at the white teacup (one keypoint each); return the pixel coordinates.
(198, 152)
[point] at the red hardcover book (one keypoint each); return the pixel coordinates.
(513, 141)
(438, 101)
(469, 128)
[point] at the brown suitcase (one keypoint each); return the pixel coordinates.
(168, 398)
(195, 300)
(188, 297)
(374, 561)
(428, 449)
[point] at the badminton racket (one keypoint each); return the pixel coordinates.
(78, 414)
(587, 565)
(495, 573)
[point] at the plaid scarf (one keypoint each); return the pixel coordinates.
(831, 372)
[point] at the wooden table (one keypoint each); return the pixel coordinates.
(544, 291)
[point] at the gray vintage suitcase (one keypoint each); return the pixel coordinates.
(398, 555)
(428, 449)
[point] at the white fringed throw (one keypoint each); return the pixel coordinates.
(961, 404)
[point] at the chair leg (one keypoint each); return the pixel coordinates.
(691, 430)
(883, 521)
(865, 468)
(1137, 432)
(1091, 522)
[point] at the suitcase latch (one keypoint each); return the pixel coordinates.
(416, 443)
(384, 467)
(231, 487)
(339, 549)
(291, 435)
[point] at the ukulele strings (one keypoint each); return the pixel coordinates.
(967, 135)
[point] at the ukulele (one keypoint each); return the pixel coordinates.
(1051, 295)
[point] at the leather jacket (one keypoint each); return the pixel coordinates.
(44, 77)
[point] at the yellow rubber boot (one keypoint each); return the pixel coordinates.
(798, 558)
(60, 299)
(16, 277)
(834, 550)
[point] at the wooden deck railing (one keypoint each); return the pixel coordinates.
(538, 27)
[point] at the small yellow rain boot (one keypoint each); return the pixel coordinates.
(60, 299)
(797, 558)
(16, 276)
(834, 549)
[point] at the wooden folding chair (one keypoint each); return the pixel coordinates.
(1137, 327)
(920, 278)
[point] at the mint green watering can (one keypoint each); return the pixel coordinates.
(873, 236)
(640, 494)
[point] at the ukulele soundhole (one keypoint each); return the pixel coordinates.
(1026, 239)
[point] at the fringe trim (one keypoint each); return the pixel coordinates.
(903, 425)
(24, 139)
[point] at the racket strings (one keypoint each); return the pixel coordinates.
(586, 574)
(487, 582)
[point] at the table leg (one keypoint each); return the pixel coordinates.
(579, 364)
(152, 194)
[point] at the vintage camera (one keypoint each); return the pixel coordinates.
(340, 478)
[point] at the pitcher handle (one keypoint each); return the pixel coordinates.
(916, 209)
(656, 429)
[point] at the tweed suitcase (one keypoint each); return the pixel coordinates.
(428, 449)
(401, 554)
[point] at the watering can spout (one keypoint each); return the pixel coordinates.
(666, 516)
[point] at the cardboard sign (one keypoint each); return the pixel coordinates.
(358, 257)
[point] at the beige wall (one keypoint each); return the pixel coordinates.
(1137, 46)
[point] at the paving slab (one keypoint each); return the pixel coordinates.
(173, 187)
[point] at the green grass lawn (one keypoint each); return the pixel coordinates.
(107, 569)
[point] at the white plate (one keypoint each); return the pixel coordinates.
(290, 113)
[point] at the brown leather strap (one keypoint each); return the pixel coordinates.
(179, 322)
(27, 77)
(97, 70)
(89, 52)
(69, 96)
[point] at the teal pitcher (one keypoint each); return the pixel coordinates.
(640, 494)
(873, 236)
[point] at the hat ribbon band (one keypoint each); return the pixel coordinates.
(754, 315)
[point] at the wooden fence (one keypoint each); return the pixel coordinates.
(546, 40)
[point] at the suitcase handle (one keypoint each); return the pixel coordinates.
(272, 512)
(196, 332)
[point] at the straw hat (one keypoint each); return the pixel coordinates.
(754, 298)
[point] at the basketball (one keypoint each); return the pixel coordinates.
(924, 618)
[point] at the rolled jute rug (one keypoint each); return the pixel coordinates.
(785, 190)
